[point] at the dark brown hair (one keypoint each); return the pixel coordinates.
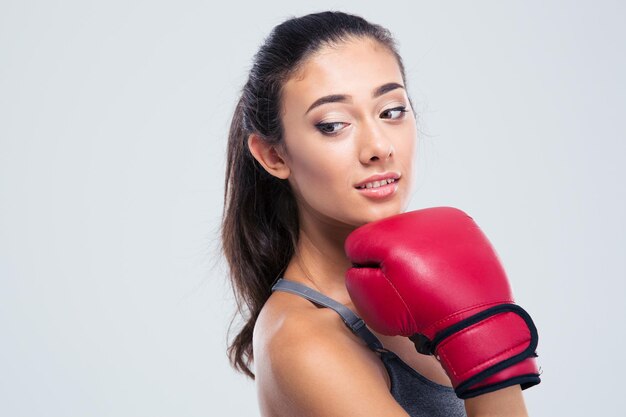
(260, 219)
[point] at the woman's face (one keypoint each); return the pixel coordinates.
(334, 148)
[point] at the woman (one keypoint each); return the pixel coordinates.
(322, 141)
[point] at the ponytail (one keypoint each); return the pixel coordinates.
(259, 235)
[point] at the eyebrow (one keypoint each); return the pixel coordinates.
(342, 98)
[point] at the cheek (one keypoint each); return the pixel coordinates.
(406, 149)
(320, 174)
(406, 156)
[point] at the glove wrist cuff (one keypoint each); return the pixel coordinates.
(475, 349)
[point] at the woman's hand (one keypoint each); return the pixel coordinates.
(433, 276)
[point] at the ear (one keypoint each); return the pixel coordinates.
(268, 156)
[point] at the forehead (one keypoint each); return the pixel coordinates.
(354, 67)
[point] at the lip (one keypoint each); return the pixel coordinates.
(380, 192)
(383, 191)
(378, 177)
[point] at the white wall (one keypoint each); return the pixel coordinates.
(113, 121)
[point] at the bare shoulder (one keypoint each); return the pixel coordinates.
(308, 363)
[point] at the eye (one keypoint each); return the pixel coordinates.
(398, 111)
(329, 128)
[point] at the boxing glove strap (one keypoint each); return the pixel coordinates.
(478, 317)
(461, 382)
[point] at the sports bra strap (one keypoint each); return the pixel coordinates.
(354, 322)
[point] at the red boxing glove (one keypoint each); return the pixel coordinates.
(432, 275)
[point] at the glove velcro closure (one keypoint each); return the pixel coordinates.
(486, 343)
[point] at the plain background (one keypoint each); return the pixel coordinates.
(113, 120)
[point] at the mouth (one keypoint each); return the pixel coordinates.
(379, 180)
(377, 184)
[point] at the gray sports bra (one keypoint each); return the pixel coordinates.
(419, 396)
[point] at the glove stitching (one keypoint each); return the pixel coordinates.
(406, 307)
(443, 355)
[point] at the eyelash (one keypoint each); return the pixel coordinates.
(320, 126)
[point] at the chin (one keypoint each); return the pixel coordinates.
(378, 213)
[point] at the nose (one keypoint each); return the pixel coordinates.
(375, 147)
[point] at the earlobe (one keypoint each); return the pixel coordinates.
(268, 156)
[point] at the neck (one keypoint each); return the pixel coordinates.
(320, 261)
